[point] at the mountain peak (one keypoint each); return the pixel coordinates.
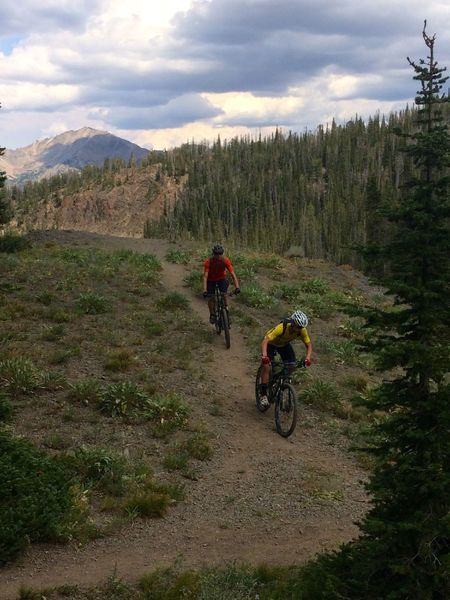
(69, 150)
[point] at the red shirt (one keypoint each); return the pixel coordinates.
(216, 267)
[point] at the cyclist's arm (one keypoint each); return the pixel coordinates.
(205, 275)
(308, 350)
(235, 279)
(264, 345)
(230, 269)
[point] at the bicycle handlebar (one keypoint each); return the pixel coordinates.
(297, 364)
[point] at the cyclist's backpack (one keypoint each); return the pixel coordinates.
(285, 321)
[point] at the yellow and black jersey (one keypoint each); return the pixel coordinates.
(280, 339)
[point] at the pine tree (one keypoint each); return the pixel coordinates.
(5, 212)
(404, 549)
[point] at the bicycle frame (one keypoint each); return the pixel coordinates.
(222, 320)
(283, 374)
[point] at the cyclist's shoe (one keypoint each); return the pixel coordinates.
(264, 401)
(212, 319)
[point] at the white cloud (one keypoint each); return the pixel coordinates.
(182, 68)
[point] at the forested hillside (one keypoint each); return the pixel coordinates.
(318, 192)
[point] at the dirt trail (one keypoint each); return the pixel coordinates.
(252, 504)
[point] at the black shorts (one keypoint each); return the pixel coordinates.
(211, 286)
(286, 352)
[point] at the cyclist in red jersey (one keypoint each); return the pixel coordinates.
(215, 271)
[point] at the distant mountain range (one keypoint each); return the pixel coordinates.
(68, 151)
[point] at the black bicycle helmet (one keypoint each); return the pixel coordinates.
(217, 249)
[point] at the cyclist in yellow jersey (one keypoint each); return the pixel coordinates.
(278, 340)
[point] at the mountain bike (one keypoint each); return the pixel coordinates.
(222, 316)
(280, 392)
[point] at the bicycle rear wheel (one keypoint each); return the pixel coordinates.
(259, 406)
(286, 410)
(226, 327)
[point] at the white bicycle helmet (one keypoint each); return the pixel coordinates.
(299, 318)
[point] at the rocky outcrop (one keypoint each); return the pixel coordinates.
(135, 196)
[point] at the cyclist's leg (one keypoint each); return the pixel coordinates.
(266, 370)
(223, 287)
(287, 354)
(210, 286)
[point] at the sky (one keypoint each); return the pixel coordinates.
(164, 72)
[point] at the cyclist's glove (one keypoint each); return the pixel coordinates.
(237, 290)
(307, 362)
(265, 360)
(205, 294)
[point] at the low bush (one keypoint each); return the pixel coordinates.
(180, 257)
(173, 301)
(253, 295)
(93, 304)
(122, 399)
(36, 498)
(11, 242)
(87, 391)
(147, 504)
(100, 468)
(18, 376)
(323, 395)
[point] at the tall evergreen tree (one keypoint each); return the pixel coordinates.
(404, 549)
(5, 213)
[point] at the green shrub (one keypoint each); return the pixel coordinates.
(119, 360)
(152, 327)
(59, 357)
(6, 409)
(18, 376)
(253, 295)
(351, 328)
(45, 298)
(177, 461)
(180, 257)
(167, 412)
(123, 399)
(36, 498)
(147, 504)
(322, 394)
(52, 381)
(231, 583)
(166, 584)
(11, 242)
(198, 447)
(173, 301)
(345, 351)
(286, 291)
(103, 469)
(314, 286)
(93, 304)
(52, 333)
(194, 280)
(140, 259)
(87, 391)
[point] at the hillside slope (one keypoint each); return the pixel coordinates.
(260, 498)
(120, 207)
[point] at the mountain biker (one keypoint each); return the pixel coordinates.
(278, 339)
(214, 271)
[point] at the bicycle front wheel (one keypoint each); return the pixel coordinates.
(226, 327)
(286, 410)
